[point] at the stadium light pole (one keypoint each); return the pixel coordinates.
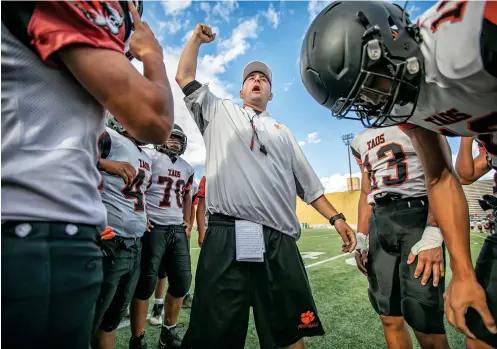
(347, 139)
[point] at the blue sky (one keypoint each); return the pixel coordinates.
(267, 31)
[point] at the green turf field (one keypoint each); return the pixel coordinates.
(340, 292)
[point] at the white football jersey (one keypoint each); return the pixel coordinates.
(170, 180)
(50, 130)
(125, 204)
(458, 96)
(388, 155)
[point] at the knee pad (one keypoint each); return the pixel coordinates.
(422, 318)
(145, 287)
(180, 285)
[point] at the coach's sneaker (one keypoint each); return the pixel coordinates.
(169, 338)
(138, 342)
(156, 317)
(187, 301)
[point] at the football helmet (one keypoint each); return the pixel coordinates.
(128, 22)
(112, 123)
(176, 144)
(353, 47)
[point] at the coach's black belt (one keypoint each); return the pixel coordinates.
(394, 199)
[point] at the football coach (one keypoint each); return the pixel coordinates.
(255, 170)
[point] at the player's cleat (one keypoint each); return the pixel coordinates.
(187, 301)
(169, 338)
(138, 342)
(156, 317)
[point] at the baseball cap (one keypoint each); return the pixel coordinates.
(257, 66)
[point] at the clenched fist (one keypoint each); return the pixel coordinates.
(203, 33)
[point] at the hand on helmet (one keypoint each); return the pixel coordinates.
(142, 40)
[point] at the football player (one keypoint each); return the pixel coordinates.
(156, 317)
(126, 172)
(63, 64)
(394, 201)
(165, 248)
(368, 61)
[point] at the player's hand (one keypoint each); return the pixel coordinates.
(347, 235)
(430, 262)
(203, 33)
(361, 253)
(430, 255)
(200, 239)
(188, 229)
(119, 168)
(142, 40)
(149, 226)
(462, 293)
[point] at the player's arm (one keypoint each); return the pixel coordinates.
(469, 169)
(364, 213)
(61, 33)
(116, 168)
(192, 215)
(446, 197)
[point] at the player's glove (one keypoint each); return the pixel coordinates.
(362, 244)
(432, 238)
(361, 252)
(107, 250)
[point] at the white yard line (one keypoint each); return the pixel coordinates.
(481, 237)
(315, 236)
(326, 260)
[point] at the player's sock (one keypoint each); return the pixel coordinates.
(158, 301)
(169, 327)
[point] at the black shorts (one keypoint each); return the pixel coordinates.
(163, 265)
(486, 273)
(394, 228)
(50, 284)
(277, 289)
(120, 279)
(167, 245)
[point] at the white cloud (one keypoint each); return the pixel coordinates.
(175, 7)
(301, 143)
(315, 7)
(175, 24)
(272, 16)
(337, 182)
(221, 10)
(208, 68)
(287, 85)
(313, 138)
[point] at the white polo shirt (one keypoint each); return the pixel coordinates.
(245, 183)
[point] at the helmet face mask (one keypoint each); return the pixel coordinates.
(176, 143)
(361, 60)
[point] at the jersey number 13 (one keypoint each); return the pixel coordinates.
(396, 159)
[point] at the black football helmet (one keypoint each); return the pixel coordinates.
(352, 44)
(128, 22)
(176, 144)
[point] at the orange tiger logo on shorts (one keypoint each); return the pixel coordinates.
(307, 319)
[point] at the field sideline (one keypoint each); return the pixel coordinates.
(340, 292)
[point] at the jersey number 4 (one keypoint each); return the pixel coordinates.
(396, 159)
(134, 191)
(179, 191)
